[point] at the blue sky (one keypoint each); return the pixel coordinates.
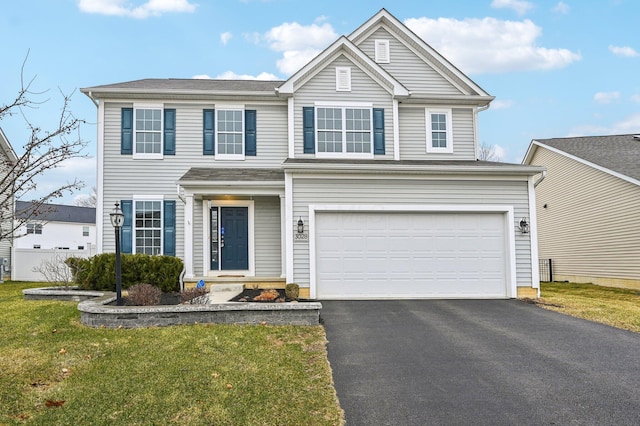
(556, 68)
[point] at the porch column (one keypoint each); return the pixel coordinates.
(188, 236)
(283, 236)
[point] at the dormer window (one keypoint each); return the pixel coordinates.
(381, 48)
(343, 79)
(439, 135)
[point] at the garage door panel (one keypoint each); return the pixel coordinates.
(380, 255)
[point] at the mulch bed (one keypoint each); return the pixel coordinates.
(249, 295)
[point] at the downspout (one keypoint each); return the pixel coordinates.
(475, 127)
(544, 174)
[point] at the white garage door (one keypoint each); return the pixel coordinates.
(410, 255)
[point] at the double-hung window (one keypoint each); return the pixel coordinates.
(148, 131)
(230, 133)
(148, 226)
(344, 130)
(439, 134)
(34, 228)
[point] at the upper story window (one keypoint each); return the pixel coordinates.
(34, 228)
(85, 231)
(439, 134)
(230, 125)
(344, 130)
(381, 48)
(350, 130)
(343, 79)
(148, 131)
(229, 132)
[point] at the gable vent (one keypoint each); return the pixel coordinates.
(382, 51)
(343, 79)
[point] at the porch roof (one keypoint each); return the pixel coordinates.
(199, 174)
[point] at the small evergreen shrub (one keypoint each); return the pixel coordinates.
(292, 291)
(144, 295)
(99, 272)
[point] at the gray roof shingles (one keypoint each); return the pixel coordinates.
(191, 84)
(229, 174)
(59, 213)
(619, 153)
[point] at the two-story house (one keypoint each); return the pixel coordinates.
(355, 178)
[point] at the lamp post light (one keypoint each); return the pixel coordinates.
(117, 220)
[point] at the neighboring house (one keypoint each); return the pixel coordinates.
(355, 178)
(7, 159)
(588, 208)
(56, 226)
(50, 233)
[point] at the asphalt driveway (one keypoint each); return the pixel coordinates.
(480, 362)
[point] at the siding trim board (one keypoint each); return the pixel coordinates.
(508, 211)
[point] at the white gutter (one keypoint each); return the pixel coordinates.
(544, 174)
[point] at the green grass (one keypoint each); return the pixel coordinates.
(613, 306)
(187, 375)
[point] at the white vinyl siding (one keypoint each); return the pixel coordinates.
(267, 237)
(588, 227)
(321, 88)
(412, 191)
(409, 69)
(413, 135)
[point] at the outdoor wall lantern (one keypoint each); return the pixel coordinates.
(117, 220)
(524, 226)
(300, 226)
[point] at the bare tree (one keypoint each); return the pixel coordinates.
(87, 200)
(488, 152)
(44, 150)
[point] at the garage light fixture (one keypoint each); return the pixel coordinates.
(524, 226)
(300, 226)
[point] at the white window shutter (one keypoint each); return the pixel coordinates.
(382, 51)
(343, 79)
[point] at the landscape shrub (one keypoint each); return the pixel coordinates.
(292, 291)
(99, 272)
(144, 295)
(189, 295)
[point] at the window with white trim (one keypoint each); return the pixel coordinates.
(85, 231)
(344, 130)
(381, 48)
(148, 131)
(439, 134)
(148, 226)
(343, 79)
(34, 228)
(230, 132)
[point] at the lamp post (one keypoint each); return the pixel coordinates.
(117, 220)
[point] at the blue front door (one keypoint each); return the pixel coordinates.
(230, 238)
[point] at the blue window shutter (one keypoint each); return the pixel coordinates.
(169, 132)
(126, 141)
(169, 228)
(126, 232)
(250, 132)
(308, 125)
(378, 131)
(208, 131)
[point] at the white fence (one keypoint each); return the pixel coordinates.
(25, 262)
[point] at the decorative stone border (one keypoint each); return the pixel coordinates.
(68, 294)
(98, 313)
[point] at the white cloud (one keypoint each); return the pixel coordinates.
(145, 10)
(519, 6)
(635, 98)
(561, 8)
(83, 169)
(298, 43)
(502, 104)
(225, 37)
(606, 97)
(230, 75)
(625, 51)
(490, 45)
(629, 125)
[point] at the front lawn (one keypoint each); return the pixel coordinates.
(55, 371)
(613, 306)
